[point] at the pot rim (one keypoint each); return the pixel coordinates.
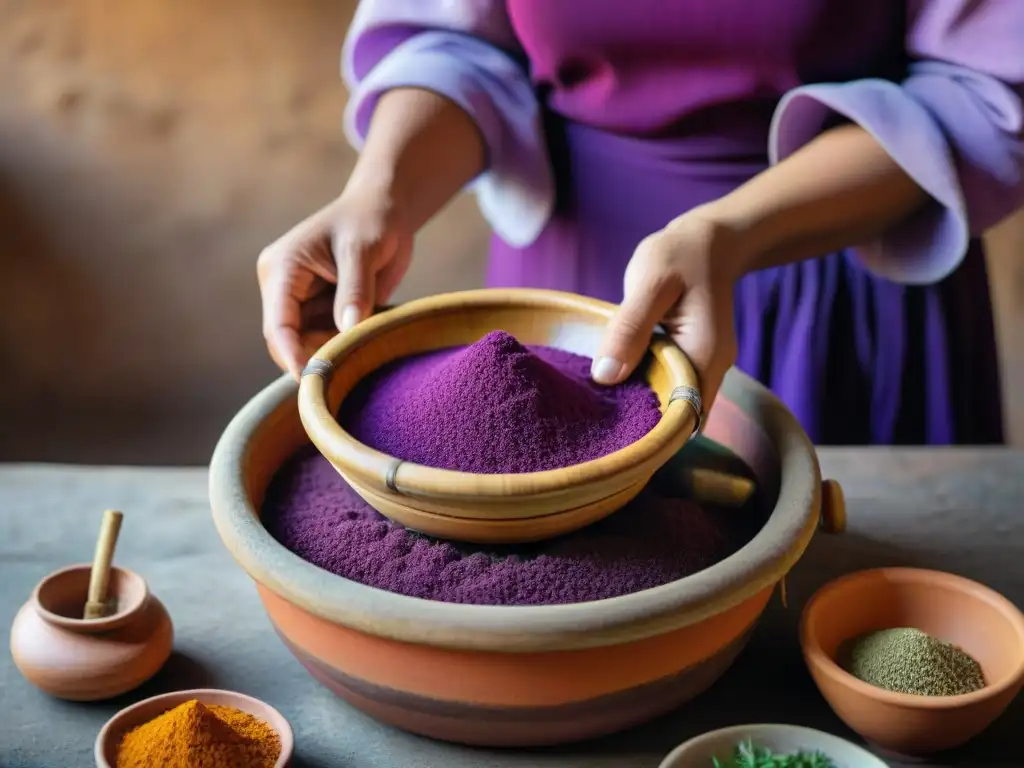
(759, 565)
(91, 626)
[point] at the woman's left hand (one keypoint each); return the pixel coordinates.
(681, 278)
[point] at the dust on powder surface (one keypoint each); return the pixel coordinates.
(495, 407)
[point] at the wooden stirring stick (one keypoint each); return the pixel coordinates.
(96, 606)
(713, 487)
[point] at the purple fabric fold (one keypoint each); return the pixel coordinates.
(954, 125)
(466, 51)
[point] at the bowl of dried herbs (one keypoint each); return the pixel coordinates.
(915, 661)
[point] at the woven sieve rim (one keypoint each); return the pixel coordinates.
(391, 476)
(318, 367)
(691, 396)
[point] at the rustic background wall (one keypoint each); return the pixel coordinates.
(148, 150)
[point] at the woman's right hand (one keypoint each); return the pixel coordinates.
(351, 255)
(342, 261)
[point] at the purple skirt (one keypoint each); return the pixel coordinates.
(858, 359)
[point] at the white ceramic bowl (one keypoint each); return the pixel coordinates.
(699, 751)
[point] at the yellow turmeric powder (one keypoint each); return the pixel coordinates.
(196, 735)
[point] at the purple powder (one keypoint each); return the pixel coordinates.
(497, 407)
(653, 540)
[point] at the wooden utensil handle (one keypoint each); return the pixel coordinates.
(713, 487)
(99, 579)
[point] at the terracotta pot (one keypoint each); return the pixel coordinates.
(984, 624)
(520, 675)
(90, 659)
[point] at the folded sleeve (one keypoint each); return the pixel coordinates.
(466, 51)
(955, 124)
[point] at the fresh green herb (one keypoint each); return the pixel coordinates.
(748, 755)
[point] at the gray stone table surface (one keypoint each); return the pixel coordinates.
(960, 510)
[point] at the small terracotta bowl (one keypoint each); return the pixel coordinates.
(490, 509)
(701, 751)
(142, 712)
(978, 620)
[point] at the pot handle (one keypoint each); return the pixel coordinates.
(833, 507)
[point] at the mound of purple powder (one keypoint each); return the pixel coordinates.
(652, 541)
(496, 407)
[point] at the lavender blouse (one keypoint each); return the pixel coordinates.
(939, 83)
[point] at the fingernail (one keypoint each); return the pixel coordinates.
(606, 370)
(349, 317)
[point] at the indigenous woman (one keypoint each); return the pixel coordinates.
(796, 187)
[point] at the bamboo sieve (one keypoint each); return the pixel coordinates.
(500, 508)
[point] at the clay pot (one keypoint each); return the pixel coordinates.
(987, 626)
(87, 660)
(520, 675)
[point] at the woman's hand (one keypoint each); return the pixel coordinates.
(681, 278)
(342, 261)
(420, 150)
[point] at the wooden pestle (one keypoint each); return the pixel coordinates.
(713, 487)
(96, 606)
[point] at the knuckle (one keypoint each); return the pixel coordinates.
(630, 323)
(266, 260)
(662, 256)
(351, 294)
(649, 247)
(627, 327)
(350, 257)
(656, 257)
(272, 263)
(351, 242)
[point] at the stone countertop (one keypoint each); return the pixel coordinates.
(955, 509)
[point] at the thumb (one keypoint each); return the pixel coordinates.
(628, 334)
(357, 285)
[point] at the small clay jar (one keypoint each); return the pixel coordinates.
(90, 659)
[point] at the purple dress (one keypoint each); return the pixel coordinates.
(605, 119)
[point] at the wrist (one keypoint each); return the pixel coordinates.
(421, 149)
(374, 176)
(382, 179)
(727, 241)
(374, 185)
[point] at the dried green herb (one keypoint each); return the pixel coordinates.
(908, 660)
(749, 755)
